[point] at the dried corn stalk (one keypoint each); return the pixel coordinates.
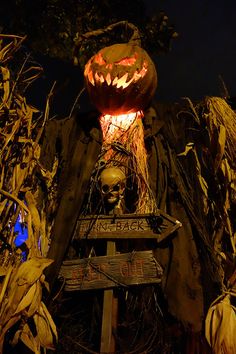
(221, 123)
(220, 323)
(219, 158)
(21, 126)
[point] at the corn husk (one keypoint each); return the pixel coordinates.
(24, 298)
(220, 326)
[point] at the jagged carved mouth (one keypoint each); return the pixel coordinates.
(118, 82)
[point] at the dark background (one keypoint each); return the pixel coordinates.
(205, 49)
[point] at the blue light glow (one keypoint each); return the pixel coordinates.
(21, 233)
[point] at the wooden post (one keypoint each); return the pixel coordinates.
(110, 310)
(133, 268)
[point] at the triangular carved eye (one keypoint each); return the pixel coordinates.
(128, 61)
(99, 59)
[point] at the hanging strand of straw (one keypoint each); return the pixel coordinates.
(220, 113)
(124, 147)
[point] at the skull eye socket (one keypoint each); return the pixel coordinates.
(116, 188)
(105, 188)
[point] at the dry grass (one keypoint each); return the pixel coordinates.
(21, 127)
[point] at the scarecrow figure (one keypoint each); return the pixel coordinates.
(149, 143)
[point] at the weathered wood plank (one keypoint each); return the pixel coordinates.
(107, 338)
(136, 268)
(77, 161)
(127, 226)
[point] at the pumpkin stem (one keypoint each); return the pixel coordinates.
(80, 38)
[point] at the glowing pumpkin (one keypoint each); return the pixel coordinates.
(120, 79)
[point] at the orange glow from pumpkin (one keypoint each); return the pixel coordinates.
(99, 59)
(128, 61)
(118, 82)
(114, 126)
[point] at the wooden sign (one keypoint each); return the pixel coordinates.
(158, 226)
(135, 268)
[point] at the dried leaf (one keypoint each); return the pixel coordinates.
(4, 285)
(16, 337)
(188, 148)
(10, 136)
(47, 286)
(6, 87)
(5, 328)
(36, 300)
(8, 50)
(45, 327)
(35, 218)
(49, 175)
(220, 147)
(50, 320)
(27, 299)
(44, 241)
(221, 114)
(37, 151)
(31, 270)
(25, 276)
(220, 327)
(202, 183)
(31, 74)
(3, 271)
(29, 340)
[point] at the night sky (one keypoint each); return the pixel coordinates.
(205, 49)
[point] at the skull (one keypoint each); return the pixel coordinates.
(112, 181)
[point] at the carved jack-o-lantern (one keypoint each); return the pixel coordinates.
(120, 79)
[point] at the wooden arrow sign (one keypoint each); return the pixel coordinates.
(135, 268)
(127, 226)
(107, 272)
